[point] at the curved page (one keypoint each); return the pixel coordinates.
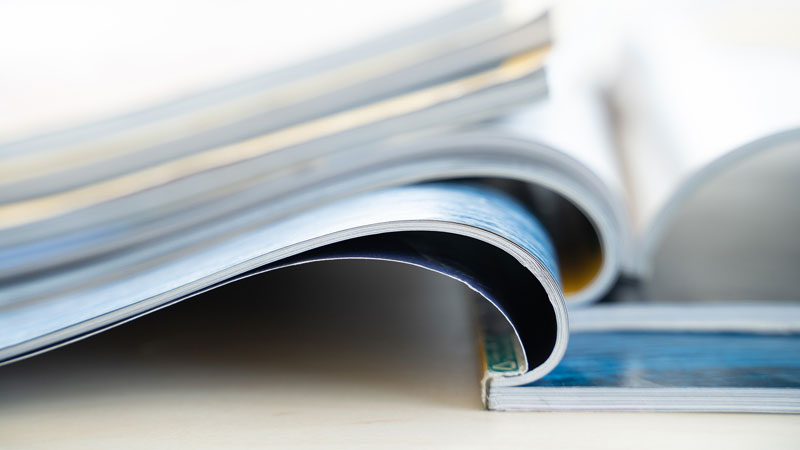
(692, 107)
(473, 234)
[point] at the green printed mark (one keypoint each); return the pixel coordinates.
(500, 354)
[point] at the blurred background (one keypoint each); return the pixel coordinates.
(383, 350)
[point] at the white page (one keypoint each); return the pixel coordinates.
(699, 87)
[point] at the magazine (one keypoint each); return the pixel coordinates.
(665, 357)
(458, 146)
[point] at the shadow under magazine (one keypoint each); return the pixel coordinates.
(324, 332)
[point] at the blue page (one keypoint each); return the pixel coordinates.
(678, 359)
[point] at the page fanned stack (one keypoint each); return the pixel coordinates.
(459, 146)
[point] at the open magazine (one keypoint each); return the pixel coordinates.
(436, 146)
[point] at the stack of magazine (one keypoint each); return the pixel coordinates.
(456, 146)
